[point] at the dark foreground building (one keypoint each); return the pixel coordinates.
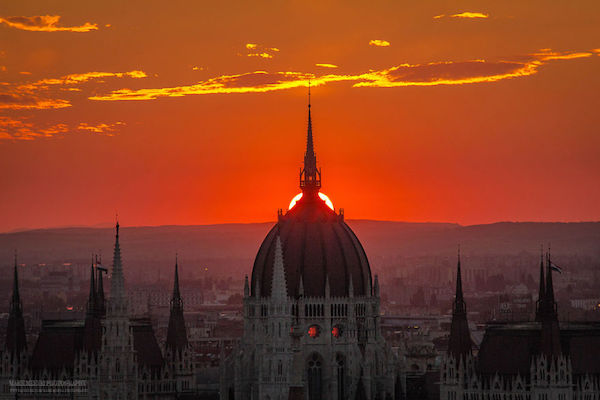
(107, 355)
(536, 360)
(311, 312)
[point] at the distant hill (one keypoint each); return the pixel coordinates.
(233, 246)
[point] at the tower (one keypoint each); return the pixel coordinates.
(460, 343)
(178, 353)
(16, 342)
(457, 364)
(92, 331)
(14, 357)
(550, 334)
(118, 369)
(311, 311)
(100, 299)
(310, 175)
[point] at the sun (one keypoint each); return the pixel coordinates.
(321, 195)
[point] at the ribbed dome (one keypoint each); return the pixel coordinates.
(317, 244)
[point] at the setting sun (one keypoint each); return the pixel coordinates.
(321, 195)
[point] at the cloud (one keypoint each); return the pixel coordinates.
(17, 129)
(379, 43)
(427, 74)
(22, 129)
(46, 94)
(547, 55)
(466, 14)
(18, 101)
(106, 129)
(44, 23)
(327, 65)
(256, 50)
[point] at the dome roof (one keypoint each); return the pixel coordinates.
(317, 244)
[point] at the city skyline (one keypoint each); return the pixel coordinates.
(470, 113)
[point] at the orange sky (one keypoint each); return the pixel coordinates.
(195, 112)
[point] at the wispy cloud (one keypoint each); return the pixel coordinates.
(327, 65)
(466, 14)
(256, 50)
(106, 129)
(24, 129)
(17, 129)
(44, 23)
(47, 93)
(427, 74)
(379, 43)
(548, 54)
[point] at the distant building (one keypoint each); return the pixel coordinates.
(112, 355)
(533, 360)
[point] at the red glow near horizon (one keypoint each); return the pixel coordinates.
(415, 126)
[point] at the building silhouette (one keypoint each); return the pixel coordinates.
(534, 360)
(114, 355)
(311, 310)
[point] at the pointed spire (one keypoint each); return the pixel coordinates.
(246, 287)
(550, 335)
(327, 288)
(176, 298)
(459, 343)
(549, 286)
(278, 285)
(117, 291)
(91, 304)
(15, 303)
(100, 300)
(176, 332)
(376, 288)
(15, 331)
(459, 301)
(310, 175)
(542, 289)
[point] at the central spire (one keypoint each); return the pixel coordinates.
(310, 175)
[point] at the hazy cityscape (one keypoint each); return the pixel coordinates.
(415, 263)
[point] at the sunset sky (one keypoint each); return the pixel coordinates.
(192, 112)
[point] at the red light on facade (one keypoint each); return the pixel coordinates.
(313, 331)
(335, 331)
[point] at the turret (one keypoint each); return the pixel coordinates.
(550, 334)
(117, 287)
(460, 343)
(310, 175)
(16, 341)
(92, 331)
(542, 290)
(176, 333)
(279, 291)
(91, 303)
(100, 299)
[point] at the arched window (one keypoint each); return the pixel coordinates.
(340, 361)
(314, 375)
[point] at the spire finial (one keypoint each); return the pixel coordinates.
(15, 329)
(310, 175)
(459, 301)
(176, 301)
